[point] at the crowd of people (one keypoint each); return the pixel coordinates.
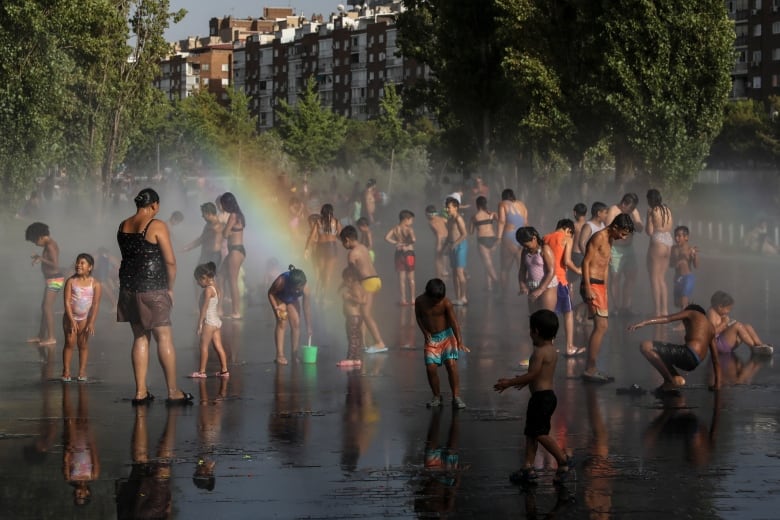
(595, 256)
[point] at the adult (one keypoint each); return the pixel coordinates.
(324, 235)
(512, 215)
(622, 262)
(234, 233)
(146, 277)
(483, 225)
(659, 227)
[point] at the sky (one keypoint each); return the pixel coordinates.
(199, 12)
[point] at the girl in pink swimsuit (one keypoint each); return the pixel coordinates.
(82, 300)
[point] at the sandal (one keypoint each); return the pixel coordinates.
(198, 375)
(223, 373)
(597, 377)
(185, 399)
(562, 473)
(144, 400)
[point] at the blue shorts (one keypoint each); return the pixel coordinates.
(441, 347)
(458, 255)
(683, 285)
(563, 304)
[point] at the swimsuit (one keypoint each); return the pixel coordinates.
(55, 283)
(534, 265)
(289, 294)
(441, 347)
(541, 406)
(212, 315)
(681, 356)
(371, 284)
(237, 247)
(722, 345)
(458, 255)
(663, 237)
(514, 221)
(487, 242)
(683, 285)
(404, 261)
(327, 249)
(484, 222)
(81, 301)
(598, 306)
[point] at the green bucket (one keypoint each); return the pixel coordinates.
(308, 354)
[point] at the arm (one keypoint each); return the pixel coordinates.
(522, 274)
(203, 307)
(568, 262)
(501, 219)
(164, 241)
(694, 257)
(715, 364)
(659, 320)
(390, 237)
(650, 222)
(231, 221)
(421, 323)
(94, 308)
(452, 322)
(370, 239)
(585, 234)
(461, 229)
(66, 295)
(534, 370)
(549, 272)
(192, 245)
(276, 287)
(637, 218)
(313, 232)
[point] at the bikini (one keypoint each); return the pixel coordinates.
(237, 247)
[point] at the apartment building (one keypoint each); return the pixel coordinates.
(756, 72)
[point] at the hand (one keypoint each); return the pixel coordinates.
(463, 348)
(523, 289)
(305, 254)
(535, 295)
(170, 295)
(632, 328)
(502, 385)
(89, 329)
(199, 330)
(35, 259)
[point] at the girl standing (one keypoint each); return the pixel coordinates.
(234, 233)
(209, 323)
(82, 302)
(537, 270)
(659, 227)
(482, 224)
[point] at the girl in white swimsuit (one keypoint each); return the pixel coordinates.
(209, 323)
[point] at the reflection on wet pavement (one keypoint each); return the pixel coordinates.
(314, 440)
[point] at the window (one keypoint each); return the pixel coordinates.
(205, 82)
(757, 30)
(225, 67)
(205, 67)
(775, 78)
(775, 27)
(776, 54)
(225, 82)
(757, 82)
(381, 38)
(756, 57)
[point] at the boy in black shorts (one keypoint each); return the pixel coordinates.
(699, 340)
(541, 369)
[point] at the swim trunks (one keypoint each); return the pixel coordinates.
(441, 347)
(598, 306)
(541, 406)
(622, 259)
(404, 261)
(680, 356)
(371, 284)
(683, 285)
(458, 255)
(563, 305)
(55, 283)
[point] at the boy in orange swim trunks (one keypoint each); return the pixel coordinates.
(595, 269)
(436, 319)
(359, 258)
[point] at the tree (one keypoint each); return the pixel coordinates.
(391, 136)
(312, 135)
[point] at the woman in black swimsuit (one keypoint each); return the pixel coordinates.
(482, 224)
(234, 232)
(146, 277)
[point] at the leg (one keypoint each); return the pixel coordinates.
(67, 352)
(234, 261)
(600, 324)
(551, 446)
(368, 319)
(295, 330)
(166, 354)
(140, 357)
(216, 340)
(46, 333)
(454, 377)
(747, 334)
(487, 258)
(412, 287)
(568, 327)
(646, 348)
(402, 286)
(431, 371)
(206, 334)
(279, 337)
(82, 340)
(460, 283)
(530, 452)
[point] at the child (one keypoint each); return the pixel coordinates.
(106, 272)
(561, 242)
(541, 369)
(684, 259)
(208, 322)
(402, 237)
(354, 298)
(729, 333)
(284, 295)
(82, 300)
(38, 234)
(358, 257)
(667, 357)
(537, 270)
(366, 237)
(436, 319)
(438, 225)
(458, 249)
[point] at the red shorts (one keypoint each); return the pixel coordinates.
(404, 261)
(598, 306)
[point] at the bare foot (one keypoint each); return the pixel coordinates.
(34, 340)
(679, 380)
(281, 361)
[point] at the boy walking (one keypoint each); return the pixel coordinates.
(539, 378)
(402, 237)
(38, 234)
(436, 319)
(359, 258)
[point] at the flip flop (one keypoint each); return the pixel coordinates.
(185, 399)
(597, 377)
(144, 400)
(578, 351)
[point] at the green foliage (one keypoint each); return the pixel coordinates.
(749, 136)
(312, 134)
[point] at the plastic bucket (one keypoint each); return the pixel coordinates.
(308, 354)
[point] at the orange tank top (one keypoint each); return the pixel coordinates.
(557, 242)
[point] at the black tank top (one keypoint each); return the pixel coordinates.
(142, 268)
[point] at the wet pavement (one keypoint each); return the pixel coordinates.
(316, 441)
